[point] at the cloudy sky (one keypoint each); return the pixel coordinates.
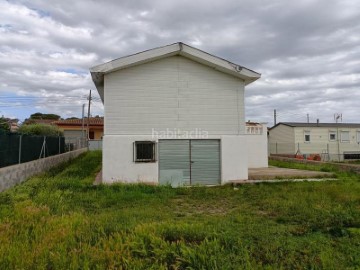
(307, 51)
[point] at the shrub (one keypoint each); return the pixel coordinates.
(4, 125)
(41, 129)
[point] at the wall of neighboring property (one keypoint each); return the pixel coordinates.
(282, 140)
(118, 164)
(75, 132)
(95, 145)
(12, 175)
(173, 93)
(257, 145)
(320, 141)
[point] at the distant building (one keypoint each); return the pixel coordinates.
(74, 128)
(332, 141)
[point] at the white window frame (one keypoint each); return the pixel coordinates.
(331, 132)
(346, 140)
(307, 133)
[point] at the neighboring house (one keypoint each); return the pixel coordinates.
(332, 141)
(76, 128)
(12, 123)
(175, 115)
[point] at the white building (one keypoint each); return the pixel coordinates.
(332, 141)
(175, 115)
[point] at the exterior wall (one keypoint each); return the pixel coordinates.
(12, 175)
(282, 140)
(98, 131)
(234, 160)
(173, 93)
(118, 164)
(98, 134)
(320, 142)
(95, 145)
(257, 149)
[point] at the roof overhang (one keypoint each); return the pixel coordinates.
(98, 72)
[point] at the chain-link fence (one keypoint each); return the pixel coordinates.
(336, 151)
(18, 148)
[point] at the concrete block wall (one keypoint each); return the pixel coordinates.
(15, 174)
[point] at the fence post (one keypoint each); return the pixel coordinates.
(20, 144)
(328, 151)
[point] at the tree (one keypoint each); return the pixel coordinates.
(39, 115)
(4, 124)
(41, 129)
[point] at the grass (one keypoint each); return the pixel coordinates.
(59, 220)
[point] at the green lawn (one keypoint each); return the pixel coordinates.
(59, 220)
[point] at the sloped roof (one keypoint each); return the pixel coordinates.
(179, 48)
(324, 125)
(94, 121)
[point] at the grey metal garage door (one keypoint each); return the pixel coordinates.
(205, 162)
(189, 162)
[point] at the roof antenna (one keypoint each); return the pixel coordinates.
(337, 117)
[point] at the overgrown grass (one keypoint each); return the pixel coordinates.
(59, 220)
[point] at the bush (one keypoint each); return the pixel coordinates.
(4, 125)
(41, 129)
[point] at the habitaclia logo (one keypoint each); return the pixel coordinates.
(176, 133)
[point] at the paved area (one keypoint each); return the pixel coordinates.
(271, 174)
(239, 182)
(282, 173)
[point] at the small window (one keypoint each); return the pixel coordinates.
(345, 136)
(307, 136)
(332, 136)
(144, 151)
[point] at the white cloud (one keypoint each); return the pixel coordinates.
(307, 51)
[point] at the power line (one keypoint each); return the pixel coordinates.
(54, 101)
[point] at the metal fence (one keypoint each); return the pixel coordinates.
(336, 151)
(74, 143)
(18, 148)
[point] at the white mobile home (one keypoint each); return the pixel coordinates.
(331, 141)
(175, 114)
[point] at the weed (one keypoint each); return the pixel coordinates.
(59, 220)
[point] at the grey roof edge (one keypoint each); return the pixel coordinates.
(178, 48)
(95, 68)
(322, 125)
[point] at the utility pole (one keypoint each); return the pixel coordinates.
(274, 117)
(88, 119)
(83, 126)
(308, 118)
